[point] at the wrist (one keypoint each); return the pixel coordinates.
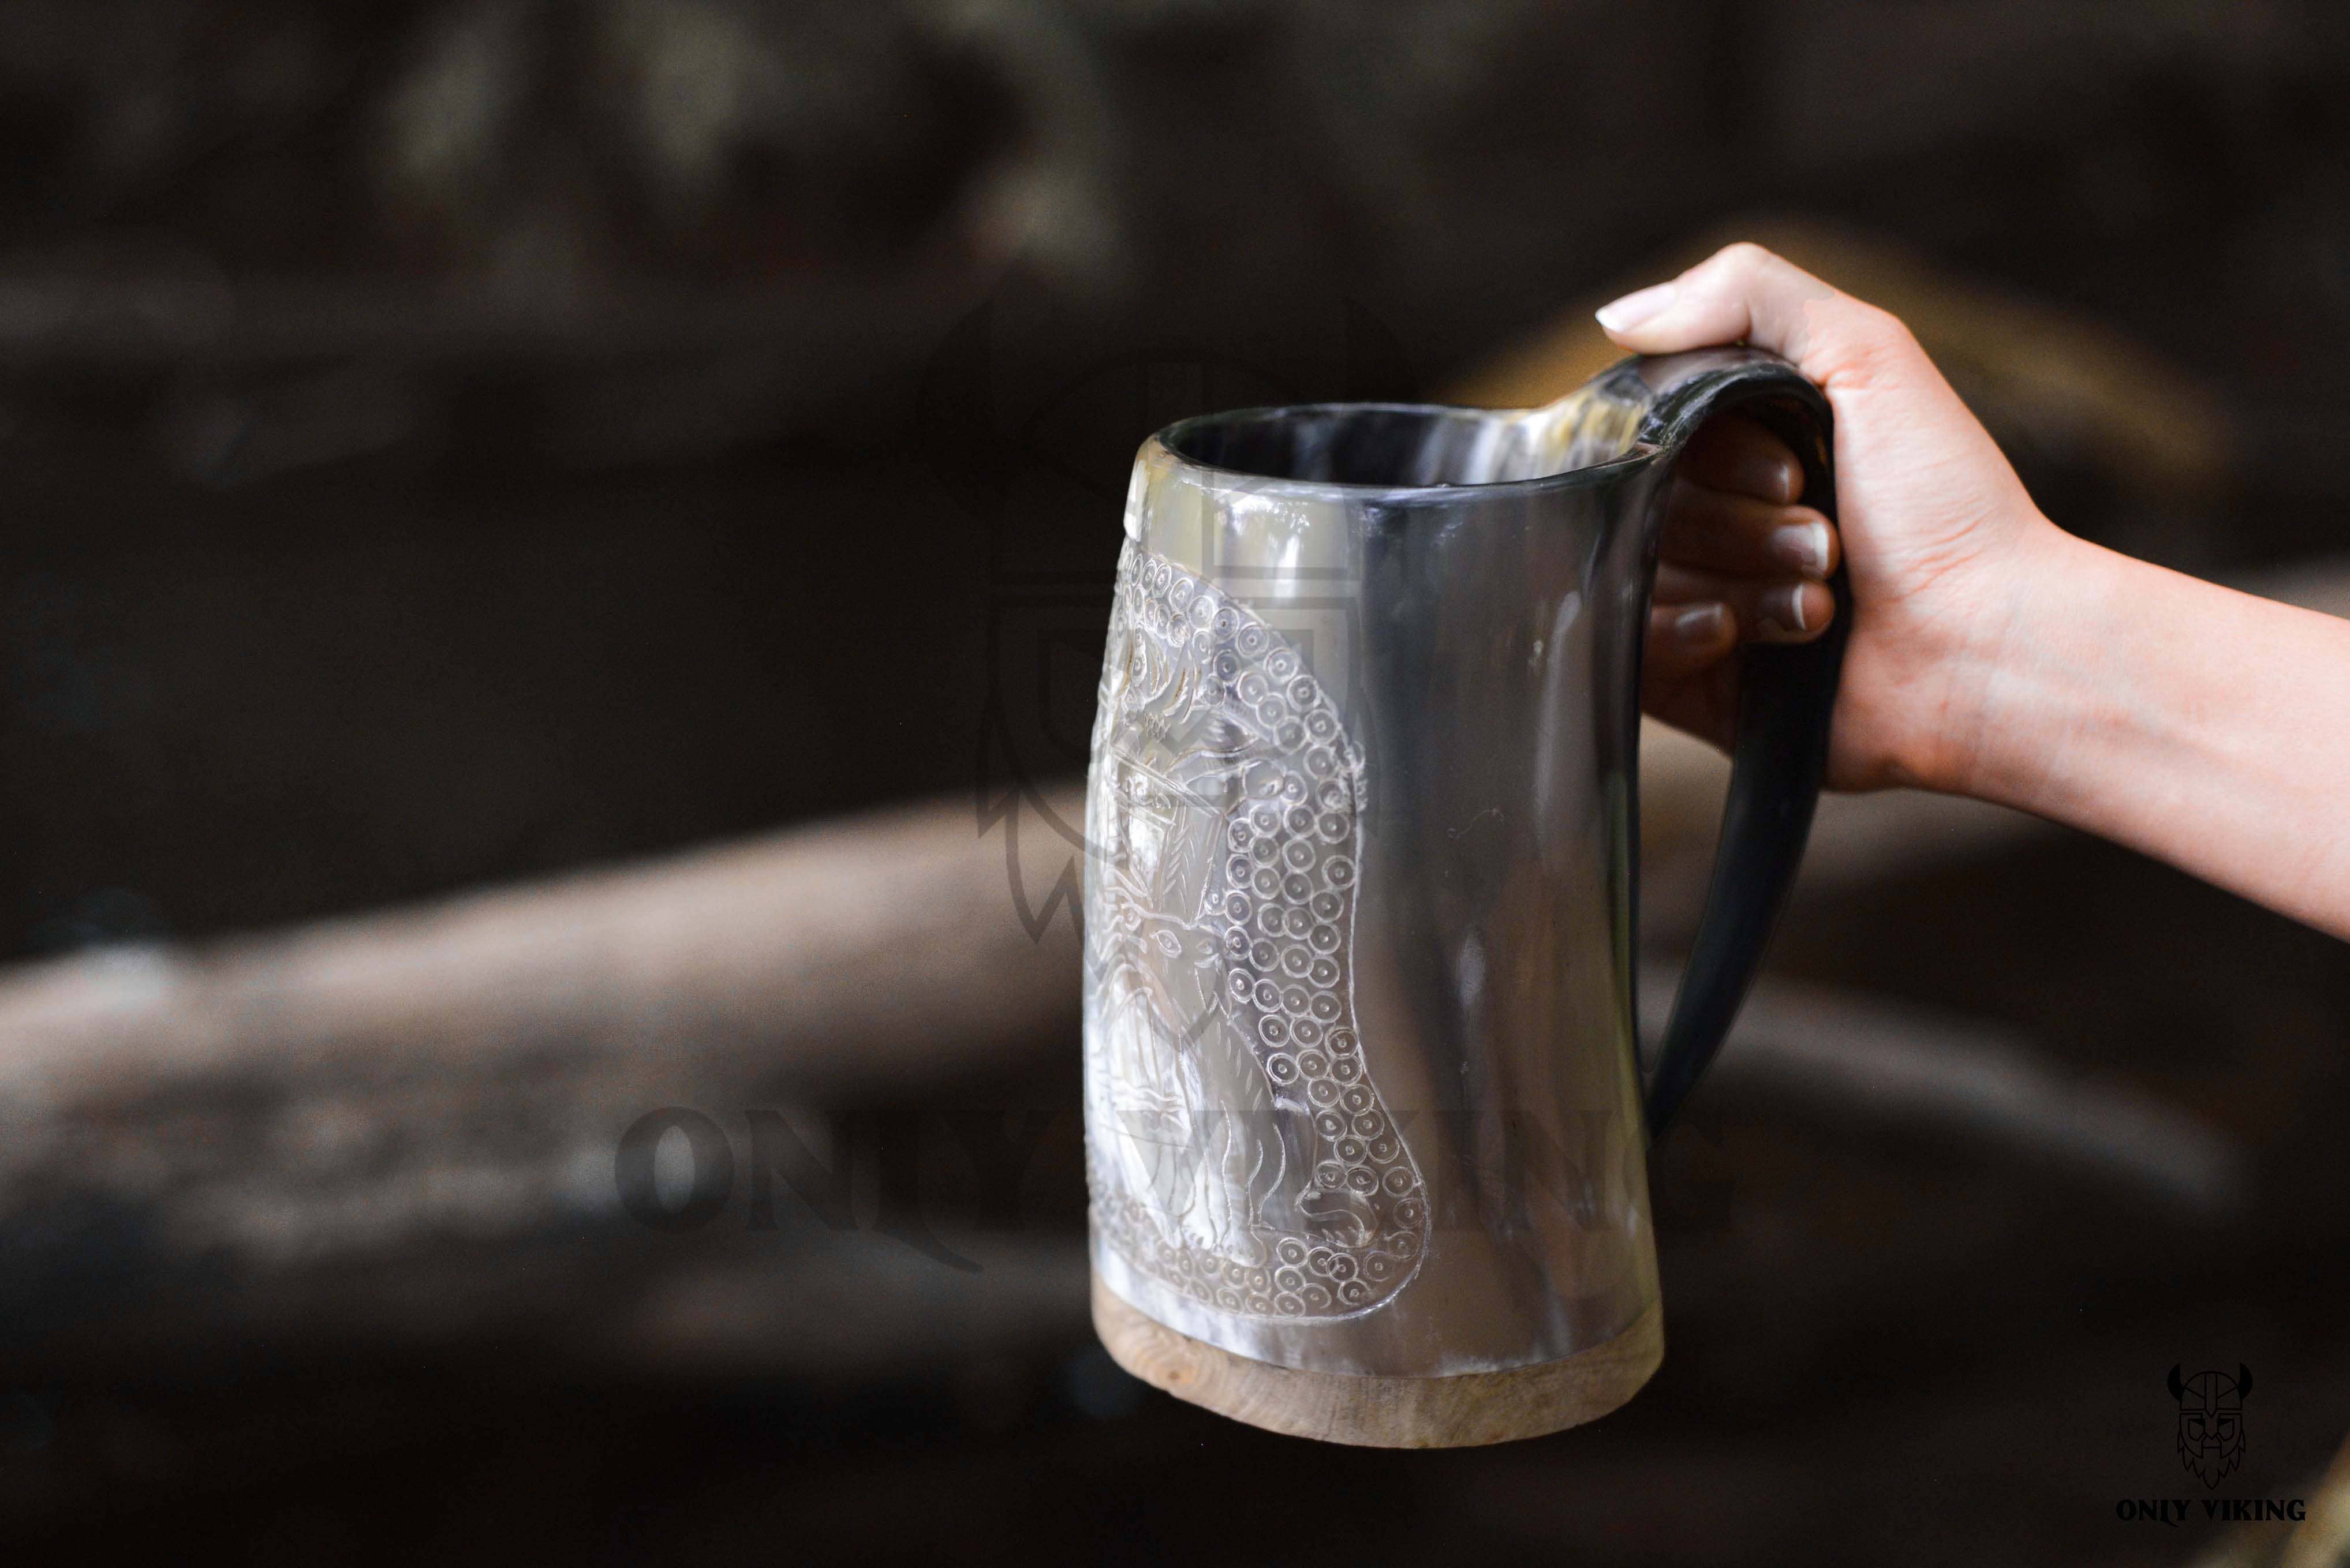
(1996, 692)
(2029, 662)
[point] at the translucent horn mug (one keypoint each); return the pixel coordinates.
(1366, 1124)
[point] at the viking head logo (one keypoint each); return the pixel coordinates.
(2212, 1421)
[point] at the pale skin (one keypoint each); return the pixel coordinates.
(1992, 654)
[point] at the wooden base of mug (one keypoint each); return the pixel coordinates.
(1385, 1412)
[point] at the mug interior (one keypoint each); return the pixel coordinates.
(1392, 446)
(1386, 445)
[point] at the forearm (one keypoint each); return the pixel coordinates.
(2202, 726)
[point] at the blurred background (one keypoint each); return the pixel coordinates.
(555, 560)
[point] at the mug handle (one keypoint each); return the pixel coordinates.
(1787, 693)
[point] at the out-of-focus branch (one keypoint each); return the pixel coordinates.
(1893, 1064)
(1857, 839)
(2038, 375)
(842, 956)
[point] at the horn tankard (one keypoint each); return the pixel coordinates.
(1366, 1127)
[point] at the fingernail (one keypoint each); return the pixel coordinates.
(1803, 545)
(1781, 610)
(1623, 314)
(1701, 625)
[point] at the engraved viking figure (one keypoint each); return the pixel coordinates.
(1237, 1150)
(2212, 1421)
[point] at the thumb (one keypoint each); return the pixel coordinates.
(1743, 293)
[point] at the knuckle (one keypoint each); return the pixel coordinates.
(1741, 259)
(1874, 324)
(1875, 341)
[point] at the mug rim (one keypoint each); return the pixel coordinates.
(1641, 453)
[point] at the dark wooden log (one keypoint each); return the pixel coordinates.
(403, 1127)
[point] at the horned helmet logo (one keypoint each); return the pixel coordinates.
(2212, 1421)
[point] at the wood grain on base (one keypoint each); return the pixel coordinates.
(1385, 1412)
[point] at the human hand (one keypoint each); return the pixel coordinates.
(1739, 561)
(1939, 538)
